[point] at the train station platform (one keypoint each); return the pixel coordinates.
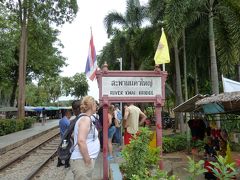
(13, 140)
(16, 139)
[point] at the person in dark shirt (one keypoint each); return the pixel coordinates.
(198, 128)
(111, 130)
(63, 125)
(99, 126)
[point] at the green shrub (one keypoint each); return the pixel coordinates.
(142, 161)
(235, 146)
(19, 125)
(8, 126)
(28, 122)
(223, 170)
(195, 169)
(198, 144)
(173, 143)
(2, 132)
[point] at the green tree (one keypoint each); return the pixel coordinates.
(80, 85)
(186, 15)
(52, 85)
(28, 12)
(128, 34)
(223, 29)
(67, 85)
(8, 53)
(44, 61)
(36, 95)
(32, 97)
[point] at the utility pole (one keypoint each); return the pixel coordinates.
(120, 61)
(121, 109)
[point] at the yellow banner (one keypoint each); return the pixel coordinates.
(162, 53)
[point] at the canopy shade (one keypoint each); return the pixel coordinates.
(189, 105)
(227, 102)
(32, 108)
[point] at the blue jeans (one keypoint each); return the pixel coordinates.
(111, 132)
(118, 136)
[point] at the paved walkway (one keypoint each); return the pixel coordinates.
(16, 139)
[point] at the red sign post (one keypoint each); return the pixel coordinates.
(130, 86)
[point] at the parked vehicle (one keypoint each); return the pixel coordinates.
(167, 121)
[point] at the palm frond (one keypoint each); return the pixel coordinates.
(227, 30)
(156, 11)
(179, 14)
(113, 18)
(135, 13)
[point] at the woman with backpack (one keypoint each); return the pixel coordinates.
(86, 142)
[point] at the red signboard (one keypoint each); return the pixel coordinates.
(130, 86)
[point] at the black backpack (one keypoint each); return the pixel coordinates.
(66, 146)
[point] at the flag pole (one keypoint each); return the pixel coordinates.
(163, 67)
(224, 88)
(164, 63)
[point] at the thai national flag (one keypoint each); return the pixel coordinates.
(91, 65)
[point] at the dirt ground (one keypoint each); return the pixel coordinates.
(176, 162)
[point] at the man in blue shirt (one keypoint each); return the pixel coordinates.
(63, 125)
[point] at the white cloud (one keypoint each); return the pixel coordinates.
(76, 36)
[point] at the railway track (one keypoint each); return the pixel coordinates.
(27, 160)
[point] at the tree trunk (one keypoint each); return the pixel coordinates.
(185, 66)
(13, 94)
(132, 62)
(214, 70)
(195, 77)
(22, 70)
(179, 98)
(14, 84)
(238, 71)
(1, 102)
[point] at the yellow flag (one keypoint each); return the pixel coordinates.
(162, 53)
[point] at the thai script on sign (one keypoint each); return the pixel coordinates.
(131, 86)
(140, 82)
